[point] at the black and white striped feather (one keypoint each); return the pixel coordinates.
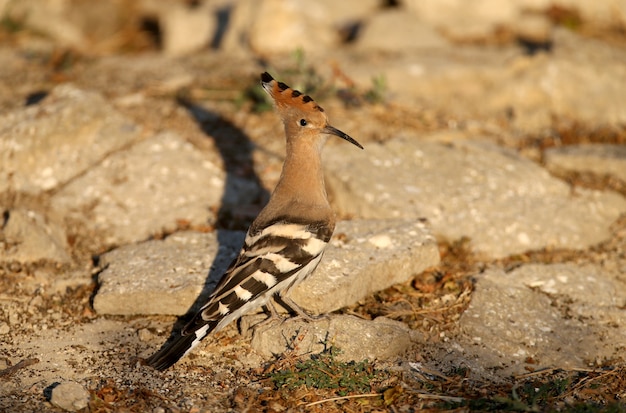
(275, 257)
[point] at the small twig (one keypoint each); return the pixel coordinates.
(150, 393)
(419, 368)
(440, 397)
(9, 371)
(584, 370)
(329, 374)
(354, 396)
(587, 380)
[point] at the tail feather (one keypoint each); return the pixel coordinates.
(176, 348)
(171, 352)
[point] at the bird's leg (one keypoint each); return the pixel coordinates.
(272, 315)
(294, 308)
(271, 309)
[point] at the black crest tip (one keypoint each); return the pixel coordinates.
(266, 77)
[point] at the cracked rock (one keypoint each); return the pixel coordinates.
(46, 145)
(165, 277)
(506, 204)
(148, 188)
(358, 339)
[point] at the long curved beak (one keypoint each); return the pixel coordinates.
(334, 131)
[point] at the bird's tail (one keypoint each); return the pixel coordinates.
(171, 352)
(175, 348)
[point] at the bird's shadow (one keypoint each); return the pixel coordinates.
(241, 182)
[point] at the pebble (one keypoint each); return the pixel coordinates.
(14, 318)
(69, 396)
(145, 335)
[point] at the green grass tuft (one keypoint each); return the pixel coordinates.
(323, 371)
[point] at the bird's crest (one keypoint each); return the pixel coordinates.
(285, 97)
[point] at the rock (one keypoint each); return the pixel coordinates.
(504, 203)
(147, 188)
(281, 26)
(27, 236)
(398, 31)
(69, 396)
(46, 145)
(349, 11)
(130, 81)
(165, 277)
(600, 159)
(14, 318)
(562, 82)
(589, 287)
(479, 19)
(576, 80)
(464, 21)
(145, 335)
(70, 280)
(275, 26)
(555, 315)
(4, 329)
(264, 24)
(50, 18)
(184, 28)
(366, 256)
(602, 13)
(236, 39)
(90, 28)
(358, 339)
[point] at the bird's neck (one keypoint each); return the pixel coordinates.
(302, 178)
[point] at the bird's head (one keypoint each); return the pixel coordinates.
(302, 117)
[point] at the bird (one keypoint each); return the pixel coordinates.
(285, 242)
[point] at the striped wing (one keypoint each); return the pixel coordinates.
(272, 259)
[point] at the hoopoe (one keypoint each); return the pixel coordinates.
(286, 241)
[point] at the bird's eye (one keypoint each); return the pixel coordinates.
(303, 122)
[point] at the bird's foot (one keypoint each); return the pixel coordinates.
(300, 314)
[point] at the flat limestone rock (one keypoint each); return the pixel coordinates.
(46, 145)
(366, 256)
(165, 277)
(357, 339)
(555, 315)
(146, 189)
(506, 204)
